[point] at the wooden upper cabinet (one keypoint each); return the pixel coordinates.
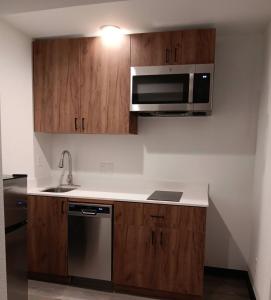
(105, 87)
(175, 47)
(82, 85)
(151, 49)
(198, 46)
(47, 235)
(56, 85)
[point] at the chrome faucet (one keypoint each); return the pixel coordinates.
(61, 165)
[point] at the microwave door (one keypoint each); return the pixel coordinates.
(160, 92)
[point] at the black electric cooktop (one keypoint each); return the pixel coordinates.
(166, 196)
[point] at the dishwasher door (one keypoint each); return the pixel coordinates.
(90, 241)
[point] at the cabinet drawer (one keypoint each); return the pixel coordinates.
(128, 213)
(171, 216)
(157, 215)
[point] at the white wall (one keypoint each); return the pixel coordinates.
(260, 256)
(16, 101)
(19, 145)
(219, 150)
(16, 117)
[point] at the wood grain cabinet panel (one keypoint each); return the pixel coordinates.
(129, 214)
(171, 216)
(198, 46)
(164, 254)
(173, 47)
(181, 260)
(82, 86)
(105, 87)
(56, 85)
(47, 235)
(176, 47)
(134, 256)
(151, 49)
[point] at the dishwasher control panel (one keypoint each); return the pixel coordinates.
(90, 209)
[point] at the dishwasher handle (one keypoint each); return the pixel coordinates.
(89, 212)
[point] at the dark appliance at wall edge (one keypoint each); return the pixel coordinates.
(15, 211)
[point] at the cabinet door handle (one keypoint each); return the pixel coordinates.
(157, 217)
(83, 124)
(152, 237)
(175, 54)
(167, 55)
(75, 124)
(62, 207)
(161, 239)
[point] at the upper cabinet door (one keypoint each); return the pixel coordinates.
(198, 46)
(105, 86)
(176, 47)
(151, 49)
(56, 85)
(171, 48)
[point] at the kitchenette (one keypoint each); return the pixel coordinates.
(118, 238)
(134, 146)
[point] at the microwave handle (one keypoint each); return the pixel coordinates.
(191, 87)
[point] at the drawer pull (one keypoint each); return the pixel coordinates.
(62, 207)
(161, 238)
(152, 238)
(167, 55)
(75, 124)
(157, 217)
(175, 54)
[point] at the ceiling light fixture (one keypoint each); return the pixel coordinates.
(111, 34)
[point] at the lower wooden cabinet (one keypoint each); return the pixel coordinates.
(134, 256)
(47, 235)
(154, 252)
(158, 249)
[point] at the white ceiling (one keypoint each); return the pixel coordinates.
(144, 15)
(17, 6)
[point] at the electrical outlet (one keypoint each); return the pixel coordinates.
(107, 167)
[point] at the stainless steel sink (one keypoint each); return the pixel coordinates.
(58, 189)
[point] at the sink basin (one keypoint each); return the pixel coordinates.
(59, 189)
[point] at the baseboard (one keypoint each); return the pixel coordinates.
(49, 278)
(230, 273)
(102, 285)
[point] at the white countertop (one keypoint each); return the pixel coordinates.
(193, 194)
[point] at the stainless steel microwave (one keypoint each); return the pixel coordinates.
(174, 89)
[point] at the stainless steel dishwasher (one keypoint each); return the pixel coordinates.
(90, 241)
